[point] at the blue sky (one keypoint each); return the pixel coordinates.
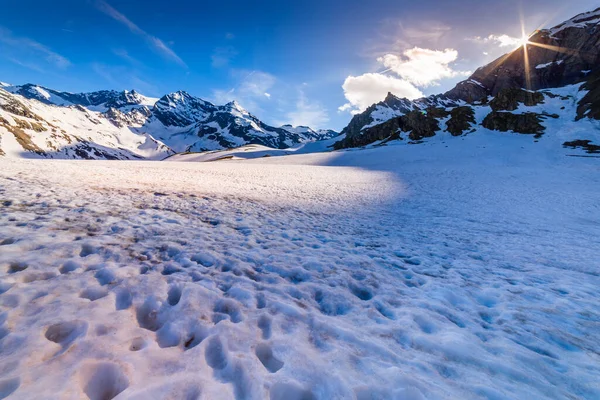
(309, 62)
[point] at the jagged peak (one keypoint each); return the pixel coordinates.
(390, 97)
(180, 95)
(235, 106)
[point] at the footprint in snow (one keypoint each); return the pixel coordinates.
(269, 361)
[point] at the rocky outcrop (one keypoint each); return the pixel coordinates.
(419, 124)
(589, 105)
(509, 99)
(377, 113)
(461, 119)
(583, 144)
(388, 130)
(526, 123)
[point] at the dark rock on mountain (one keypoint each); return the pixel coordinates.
(388, 130)
(508, 99)
(420, 124)
(360, 129)
(583, 144)
(119, 118)
(469, 91)
(589, 105)
(461, 119)
(392, 103)
(526, 123)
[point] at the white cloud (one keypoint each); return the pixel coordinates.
(500, 40)
(267, 95)
(505, 40)
(33, 47)
(415, 68)
(154, 42)
(365, 90)
(422, 67)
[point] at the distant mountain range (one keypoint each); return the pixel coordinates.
(108, 124)
(556, 84)
(554, 91)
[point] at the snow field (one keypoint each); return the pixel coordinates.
(448, 270)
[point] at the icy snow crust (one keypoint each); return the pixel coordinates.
(463, 268)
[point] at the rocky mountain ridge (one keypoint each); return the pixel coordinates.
(568, 54)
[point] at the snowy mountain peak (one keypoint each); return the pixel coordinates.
(234, 106)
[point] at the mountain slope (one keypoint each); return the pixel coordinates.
(556, 57)
(177, 122)
(568, 54)
(30, 128)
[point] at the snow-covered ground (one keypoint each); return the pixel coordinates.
(251, 151)
(465, 268)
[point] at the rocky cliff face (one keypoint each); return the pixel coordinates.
(508, 94)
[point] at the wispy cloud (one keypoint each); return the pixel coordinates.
(307, 113)
(104, 71)
(222, 56)
(500, 40)
(396, 36)
(119, 77)
(31, 66)
(30, 45)
(124, 54)
(155, 43)
(252, 89)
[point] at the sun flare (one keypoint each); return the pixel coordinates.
(524, 40)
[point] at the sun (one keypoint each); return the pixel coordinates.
(523, 40)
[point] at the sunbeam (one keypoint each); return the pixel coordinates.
(524, 41)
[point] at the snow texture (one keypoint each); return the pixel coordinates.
(459, 268)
